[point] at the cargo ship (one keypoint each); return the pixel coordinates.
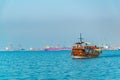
(85, 50)
(56, 48)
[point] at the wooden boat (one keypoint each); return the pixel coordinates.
(84, 50)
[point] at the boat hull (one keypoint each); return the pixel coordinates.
(79, 57)
(83, 57)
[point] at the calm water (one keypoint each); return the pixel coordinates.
(57, 65)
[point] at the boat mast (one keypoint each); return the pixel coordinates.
(81, 39)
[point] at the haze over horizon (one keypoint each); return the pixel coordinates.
(37, 23)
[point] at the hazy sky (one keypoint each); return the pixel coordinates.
(37, 23)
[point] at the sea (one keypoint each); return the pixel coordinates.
(58, 65)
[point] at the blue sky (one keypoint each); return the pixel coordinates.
(37, 23)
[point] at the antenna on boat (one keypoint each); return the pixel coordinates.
(80, 42)
(81, 39)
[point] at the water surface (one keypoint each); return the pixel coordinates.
(57, 65)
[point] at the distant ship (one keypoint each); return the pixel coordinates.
(83, 50)
(56, 48)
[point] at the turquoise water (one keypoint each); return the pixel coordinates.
(57, 65)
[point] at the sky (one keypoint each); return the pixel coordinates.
(37, 23)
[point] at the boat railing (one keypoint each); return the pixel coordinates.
(78, 47)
